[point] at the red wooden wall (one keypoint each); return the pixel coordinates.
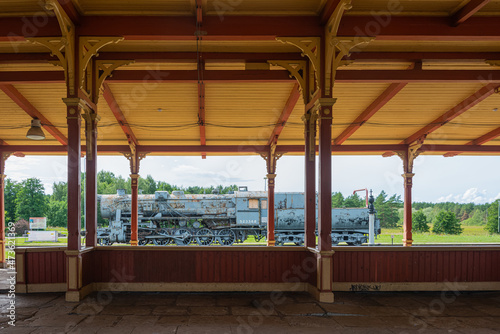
(45, 267)
(203, 266)
(465, 265)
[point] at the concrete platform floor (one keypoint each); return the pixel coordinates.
(245, 313)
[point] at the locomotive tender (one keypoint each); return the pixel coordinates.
(184, 219)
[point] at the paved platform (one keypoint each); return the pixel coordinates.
(242, 313)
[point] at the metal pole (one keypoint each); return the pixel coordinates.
(371, 220)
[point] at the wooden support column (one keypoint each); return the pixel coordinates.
(310, 178)
(91, 120)
(134, 157)
(2, 210)
(408, 156)
(134, 183)
(74, 168)
(271, 158)
(325, 174)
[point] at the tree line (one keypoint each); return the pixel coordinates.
(446, 217)
(28, 199)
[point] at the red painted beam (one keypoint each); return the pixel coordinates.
(375, 106)
(344, 76)
(478, 141)
(464, 13)
(493, 149)
(250, 149)
(328, 10)
(285, 114)
(420, 28)
(120, 117)
(459, 109)
(407, 28)
(71, 11)
(24, 77)
(183, 56)
(192, 76)
(24, 104)
(183, 28)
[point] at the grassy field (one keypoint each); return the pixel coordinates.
(471, 235)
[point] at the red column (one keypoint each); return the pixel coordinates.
(325, 178)
(310, 180)
(74, 181)
(407, 227)
(270, 209)
(134, 183)
(91, 183)
(2, 211)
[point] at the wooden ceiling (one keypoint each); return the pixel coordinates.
(432, 72)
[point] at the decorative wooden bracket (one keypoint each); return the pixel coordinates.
(134, 158)
(309, 119)
(89, 48)
(105, 68)
(271, 158)
(297, 69)
(310, 47)
(409, 157)
(336, 49)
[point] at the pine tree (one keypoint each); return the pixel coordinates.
(447, 223)
(419, 222)
(492, 223)
(337, 200)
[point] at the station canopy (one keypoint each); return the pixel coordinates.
(207, 73)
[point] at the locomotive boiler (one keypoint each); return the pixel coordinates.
(206, 219)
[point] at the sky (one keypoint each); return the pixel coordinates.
(437, 179)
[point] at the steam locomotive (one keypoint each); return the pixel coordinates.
(225, 219)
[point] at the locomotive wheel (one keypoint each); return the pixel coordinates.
(161, 241)
(204, 237)
(103, 241)
(143, 242)
(226, 237)
(184, 237)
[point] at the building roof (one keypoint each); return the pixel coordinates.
(431, 73)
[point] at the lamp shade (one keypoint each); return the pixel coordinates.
(35, 132)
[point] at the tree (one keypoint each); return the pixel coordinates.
(387, 209)
(492, 223)
(337, 200)
(59, 191)
(354, 201)
(447, 223)
(11, 190)
(419, 222)
(57, 213)
(30, 200)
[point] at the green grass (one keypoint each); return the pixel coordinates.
(471, 235)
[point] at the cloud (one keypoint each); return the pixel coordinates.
(471, 195)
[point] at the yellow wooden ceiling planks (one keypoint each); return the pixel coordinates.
(179, 109)
(248, 111)
(417, 105)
